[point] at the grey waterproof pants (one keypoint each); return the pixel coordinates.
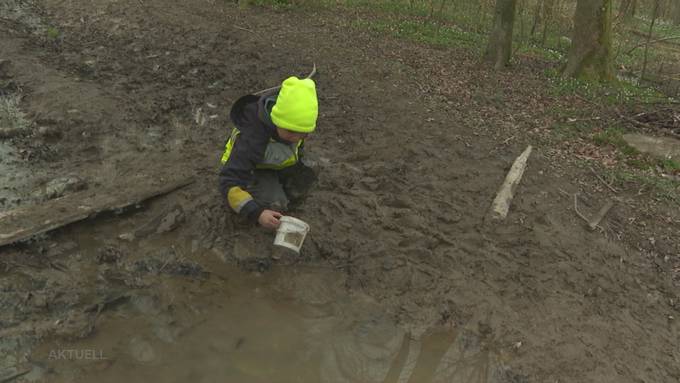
(282, 190)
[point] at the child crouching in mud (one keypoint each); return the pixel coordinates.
(262, 172)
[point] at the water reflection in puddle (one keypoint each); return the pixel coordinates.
(285, 326)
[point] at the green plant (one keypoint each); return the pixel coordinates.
(427, 33)
(639, 163)
(670, 165)
(614, 136)
(52, 33)
(662, 187)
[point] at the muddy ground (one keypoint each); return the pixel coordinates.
(401, 278)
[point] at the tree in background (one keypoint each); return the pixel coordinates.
(627, 9)
(675, 12)
(543, 14)
(590, 54)
(499, 48)
(655, 14)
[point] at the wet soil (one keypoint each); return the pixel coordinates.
(401, 278)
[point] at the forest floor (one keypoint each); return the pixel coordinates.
(401, 279)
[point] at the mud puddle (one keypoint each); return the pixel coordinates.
(285, 325)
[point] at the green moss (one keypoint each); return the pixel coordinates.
(670, 166)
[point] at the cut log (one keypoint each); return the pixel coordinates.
(23, 223)
(501, 205)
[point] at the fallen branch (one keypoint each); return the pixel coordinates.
(243, 29)
(600, 214)
(632, 120)
(501, 204)
(610, 187)
(651, 42)
(621, 115)
(595, 221)
(583, 217)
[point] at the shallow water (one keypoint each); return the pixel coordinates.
(282, 326)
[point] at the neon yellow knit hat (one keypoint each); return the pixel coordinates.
(296, 107)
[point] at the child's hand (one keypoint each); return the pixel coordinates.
(270, 219)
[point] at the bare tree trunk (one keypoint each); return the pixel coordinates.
(627, 9)
(538, 10)
(440, 15)
(591, 46)
(664, 10)
(439, 12)
(675, 14)
(548, 11)
(521, 21)
(431, 11)
(500, 40)
(655, 14)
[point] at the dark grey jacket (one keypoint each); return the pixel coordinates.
(251, 115)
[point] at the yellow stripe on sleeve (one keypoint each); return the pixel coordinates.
(237, 198)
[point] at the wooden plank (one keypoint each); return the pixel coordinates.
(23, 223)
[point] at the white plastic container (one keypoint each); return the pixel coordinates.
(291, 233)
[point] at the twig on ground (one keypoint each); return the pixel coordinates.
(621, 115)
(593, 223)
(244, 29)
(583, 217)
(632, 120)
(165, 264)
(586, 100)
(572, 120)
(610, 187)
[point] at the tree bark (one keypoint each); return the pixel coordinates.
(655, 14)
(675, 16)
(499, 47)
(627, 9)
(548, 10)
(590, 55)
(538, 10)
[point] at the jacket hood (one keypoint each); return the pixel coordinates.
(255, 110)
